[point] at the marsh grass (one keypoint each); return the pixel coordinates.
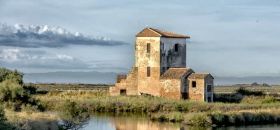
(251, 110)
(259, 100)
(205, 119)
(94, 102)
(170, 117)
(32, 119)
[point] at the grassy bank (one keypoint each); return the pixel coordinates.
(28, 119)
(250, 110)
(27, 106)
(218, 118)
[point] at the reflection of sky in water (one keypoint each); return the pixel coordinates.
(99, 123)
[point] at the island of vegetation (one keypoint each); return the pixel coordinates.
(69, 106)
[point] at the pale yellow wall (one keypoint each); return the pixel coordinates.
(197, 93)
(171, 88)
(200, 92)
(148, 85)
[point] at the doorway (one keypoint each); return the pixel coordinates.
(123, 92)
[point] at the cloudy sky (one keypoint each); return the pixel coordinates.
(228, 37)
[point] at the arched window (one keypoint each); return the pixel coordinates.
(176, 47)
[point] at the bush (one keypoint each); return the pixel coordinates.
(2, 114)
(171, 117)
(74, 117)
(228, 98)
(245, 92)
(198, 119)
(6, 74)
(30, 88)
(3, 124)
(12, 92)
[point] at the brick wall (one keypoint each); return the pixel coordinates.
(196, 93)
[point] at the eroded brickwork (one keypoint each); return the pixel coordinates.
(148, 84)
(160, 69)
(171, 88)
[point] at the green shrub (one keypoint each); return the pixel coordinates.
(2, 114)
(12, 92)
(219, 118)
(228, 98)
(74, 116)
(3, 124)
(6, 74)
(246, 92)
(198, 119)
(171, 117)
(30, 88)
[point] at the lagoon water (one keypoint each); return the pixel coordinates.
(101, 122)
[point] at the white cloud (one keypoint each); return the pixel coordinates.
(13, 55)
(31, 36)
(10, 54)
(64, 57)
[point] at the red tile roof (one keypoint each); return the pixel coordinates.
(152, 32)
(176, 73)
(199, 75)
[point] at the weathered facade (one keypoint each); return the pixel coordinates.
(160, 69)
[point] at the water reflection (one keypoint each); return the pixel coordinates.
(143, 123)
(129, 123)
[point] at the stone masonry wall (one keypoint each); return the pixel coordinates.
(129, 84)
(196, 93)
(171, 88)
(148, 85)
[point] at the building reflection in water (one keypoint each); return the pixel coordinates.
(133, 123)
(124, 123)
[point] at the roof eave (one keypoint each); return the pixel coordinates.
(186, 37)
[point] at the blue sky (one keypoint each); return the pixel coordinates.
(228, 37)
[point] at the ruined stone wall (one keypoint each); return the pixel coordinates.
(171, 88)
(129, 84)
(148, 85)
(196, 93)
(169, 56)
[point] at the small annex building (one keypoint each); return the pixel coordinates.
(160, 69)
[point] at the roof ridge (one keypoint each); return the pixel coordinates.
(161, 33)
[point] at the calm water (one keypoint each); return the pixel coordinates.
(142, 123)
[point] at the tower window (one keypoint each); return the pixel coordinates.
(194, 84)
(209, 88)
(176, 47)
(148, 71)
(148, 47)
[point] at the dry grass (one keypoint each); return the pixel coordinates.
(101, 102)
(251, 110)
(32, 120)
(27, 115)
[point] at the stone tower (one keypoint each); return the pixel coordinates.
(160, 69)
(155, 52)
